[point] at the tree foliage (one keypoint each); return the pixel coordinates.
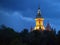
(9, 37)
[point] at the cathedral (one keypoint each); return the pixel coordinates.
(40, 22)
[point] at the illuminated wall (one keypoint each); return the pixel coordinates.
(39, 24)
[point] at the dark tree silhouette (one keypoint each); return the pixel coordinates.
(9, 37)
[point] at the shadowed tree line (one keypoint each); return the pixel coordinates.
(9, 37)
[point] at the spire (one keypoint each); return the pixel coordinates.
(48, 27)
(39, 13)
(31, 29)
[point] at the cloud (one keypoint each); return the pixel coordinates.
(16, 14)
(22, 17)
(15, 20)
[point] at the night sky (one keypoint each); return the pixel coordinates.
(20, 14)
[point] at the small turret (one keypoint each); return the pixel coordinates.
(31, 29)
(48, 27)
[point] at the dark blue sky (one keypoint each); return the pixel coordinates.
(20, 14)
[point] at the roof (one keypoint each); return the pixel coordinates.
(38, 13)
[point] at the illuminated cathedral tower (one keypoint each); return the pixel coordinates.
(39, 21)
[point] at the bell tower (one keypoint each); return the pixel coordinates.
(39, 21)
